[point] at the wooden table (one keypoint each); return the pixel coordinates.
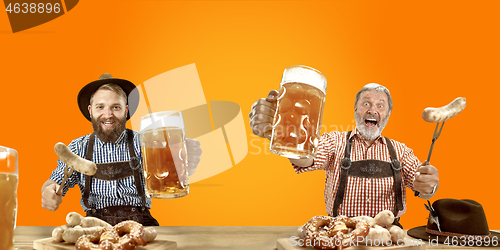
(197, 238)
(192, 238)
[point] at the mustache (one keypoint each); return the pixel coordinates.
(109, 136)
(371, 116)
(114, 119)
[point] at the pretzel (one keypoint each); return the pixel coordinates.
(125, 235)
(361, 230)
(333, 233)
(321, 226)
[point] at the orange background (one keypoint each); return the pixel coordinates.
(426, 52)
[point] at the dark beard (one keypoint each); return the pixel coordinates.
(112, 135)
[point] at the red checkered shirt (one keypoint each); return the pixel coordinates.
(363, 196)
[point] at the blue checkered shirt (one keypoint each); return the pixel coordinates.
(104, 193)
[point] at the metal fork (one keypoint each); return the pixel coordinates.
(66, 175)
(434, 139)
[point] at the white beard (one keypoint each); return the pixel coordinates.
(370, 133)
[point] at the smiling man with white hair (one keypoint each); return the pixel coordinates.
(366, 172)
(371, 124)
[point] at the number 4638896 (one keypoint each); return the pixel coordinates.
(33, 8)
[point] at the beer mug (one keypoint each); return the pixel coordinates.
(297, 121)
(164, 155)
(8, 196)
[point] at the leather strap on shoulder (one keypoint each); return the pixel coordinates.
(88, 178)
(134, 164)
(344, 169)
(396, 169)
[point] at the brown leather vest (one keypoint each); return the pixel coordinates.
(371, 169)
(115, 170)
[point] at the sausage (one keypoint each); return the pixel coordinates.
(378, 236)
(397, 233)
(149, 234)
(94, 222)
(72, 160)
(71, 235)
(57, 233)
(73, 219)
(381, 229)
(444, 113)
(368, 220)
(384, 218)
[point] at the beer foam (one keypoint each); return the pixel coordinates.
(162, 119)
(304, 74)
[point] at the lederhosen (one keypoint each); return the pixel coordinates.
(369, 169)
(113, 171)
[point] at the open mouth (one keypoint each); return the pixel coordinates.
(371, 122)
(108, 124)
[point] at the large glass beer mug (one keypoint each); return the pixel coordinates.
(296, 126)
(164, 154)
(8, 197)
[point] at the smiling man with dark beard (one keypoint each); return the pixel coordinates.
(110, 135)
(366, 172)
(117, 191)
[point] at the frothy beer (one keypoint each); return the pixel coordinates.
(8, 205)
(296, 126)
(165, 162)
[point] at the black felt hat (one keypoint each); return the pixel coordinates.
(89, 89)
(460, 221)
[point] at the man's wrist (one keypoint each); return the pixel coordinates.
(434, 189)
(429, 195)
(303, 163)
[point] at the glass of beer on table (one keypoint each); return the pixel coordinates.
(164, 154)
(296, 126)
(8, 196)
